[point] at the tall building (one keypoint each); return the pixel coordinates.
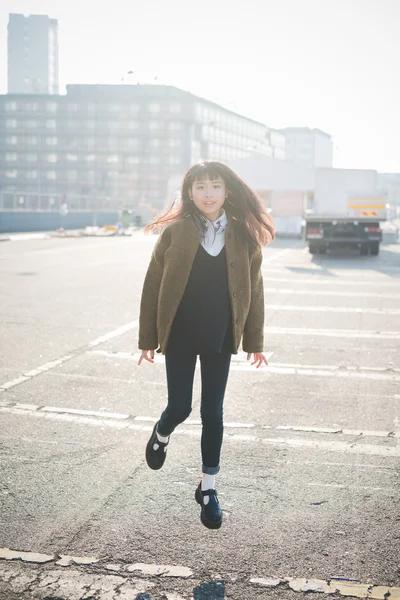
(32, 54)
(106, 145)
(308, 147)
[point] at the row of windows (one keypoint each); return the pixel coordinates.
(89, 174)
(204, 113)
(219, 136)
(13, 140)
(46, 202)
(218, 117)
(70, 174)
(90, 124)
(91, 107)
(31, 157)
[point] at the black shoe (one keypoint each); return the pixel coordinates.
(211, 514)
(155, 458)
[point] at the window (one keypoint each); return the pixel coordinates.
(30, 124)
(12, 174)
(154, 107)
(91, 176)
(10, 106)
(112, 125)
(91, 107)
(50, 124)
(11, 123)
(113, 158)
(90, 157)
(175, 126)
(51, 141)
(155, 143)
(51, 107)
(154, 125)
(31, 174)
(71, 124)
(12, 140)
(174, 160)
(112, 175)
(52, 158)
(72, 157)
(114, 108)
(174, 143)
(154, 160)
(72, 175)
(90, 142)
(175, 108)
(134, 108)
(51, 175)
(11, 156)
(133, 125)
(132, 160)
(72, 107)
(31, 106)
(91, 124)
(32, 158)
(32, 140)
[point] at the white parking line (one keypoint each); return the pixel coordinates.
(334, 281)
(114, 333)
(333, 275)
(241, 364)
(331, 446)
(59, 361)
(55, 583)
(339, 333)
(277, 255)
(19, 408)
(329, 293)
(338, 309)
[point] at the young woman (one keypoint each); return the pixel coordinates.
(203, 294)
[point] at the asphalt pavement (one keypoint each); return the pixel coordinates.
(309, 481)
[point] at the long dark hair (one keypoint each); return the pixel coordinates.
(253, 222)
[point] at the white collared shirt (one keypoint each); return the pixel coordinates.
(214, 239)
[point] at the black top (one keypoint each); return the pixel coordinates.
(203, 321)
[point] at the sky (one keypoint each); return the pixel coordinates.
(331, 64)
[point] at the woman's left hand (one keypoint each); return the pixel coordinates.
(258, 358)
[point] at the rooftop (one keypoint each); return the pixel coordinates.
(303, 130)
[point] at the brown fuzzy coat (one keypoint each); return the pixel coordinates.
(168, 274)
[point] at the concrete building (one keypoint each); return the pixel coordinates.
(285, 188)
(32, 54)
(308, 147)
(107, 145)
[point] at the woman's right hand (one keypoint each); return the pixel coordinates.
(145, 356)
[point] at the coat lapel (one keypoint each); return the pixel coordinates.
(191, 239)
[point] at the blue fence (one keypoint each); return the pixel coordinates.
(12, 222)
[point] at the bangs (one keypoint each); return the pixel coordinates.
(204, 171)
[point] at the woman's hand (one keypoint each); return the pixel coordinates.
(145, 356)
(258, 358)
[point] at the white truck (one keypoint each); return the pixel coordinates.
(347, 211)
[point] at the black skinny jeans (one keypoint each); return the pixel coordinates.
(180, 366)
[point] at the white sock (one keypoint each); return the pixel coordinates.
(162, 439)
(207, 483)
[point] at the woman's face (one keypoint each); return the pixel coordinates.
(209, 196)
